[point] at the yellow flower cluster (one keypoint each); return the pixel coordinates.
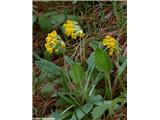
(110, 43)
(73, 29)
(54, 42)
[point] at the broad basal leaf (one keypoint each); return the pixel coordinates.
(80, 113)
(47, 89)
(100, 109)
(95, 99)
(93, 44)
(90, 60)
(45, 23)
(122, 67)
(48, 68)
(102, 61)
(77, 73)
(68, 60)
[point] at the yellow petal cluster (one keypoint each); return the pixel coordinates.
(110, 43)
(54, 42)
(73, 29)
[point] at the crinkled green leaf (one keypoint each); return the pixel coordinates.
(66, 100)
(65, 115)
(102, 61)
(48, 68)
(47, 89)
(90, 60)
(45, 23)
(54, 116)
(68, 60)
(93, 44)
(77, 73)
(96, 99)
(122, 59)
(122, 67)
(80, 113)
(51, 20)
(100, 109)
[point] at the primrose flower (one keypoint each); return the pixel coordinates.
(54, 43)
(110, 43)
(73, 29)
(63, 44)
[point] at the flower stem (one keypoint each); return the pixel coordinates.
(108, 85)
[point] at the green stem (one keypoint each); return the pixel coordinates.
(65, 68)
(116, 78)
(66, 109)
(83, 50)
(121, 83)
(87, 78)
(81, 55)
(94, 83)
(108, 84)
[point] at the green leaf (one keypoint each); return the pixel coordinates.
(41, 78)
(93, 44)
(47, 89)
(96, 99)
(86, 109)
(116, 101)
(65, 99)
(48, 68)
(102, 61)
(68, 60)
(45, 23)
(80, 113)
(57, 19)
(122, 68)
(115, 106)
(65, 115)
(122, 59)
(77, 73)
(55, 116)
(46, 55)
(100, 109)
(52, 20)
(90, 60)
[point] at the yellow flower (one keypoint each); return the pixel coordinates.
(50, 50)
(47, 46)
(82, 34)
(48, 39)
(104, 42)
(54, 42)
(73, 29)
(62, 44)
(69, 22)
(68, 25)
(74, 35)
(54, 33)
(108, 37)
(111, 52)
(50, 35)
(69, 31)
(110, 43)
